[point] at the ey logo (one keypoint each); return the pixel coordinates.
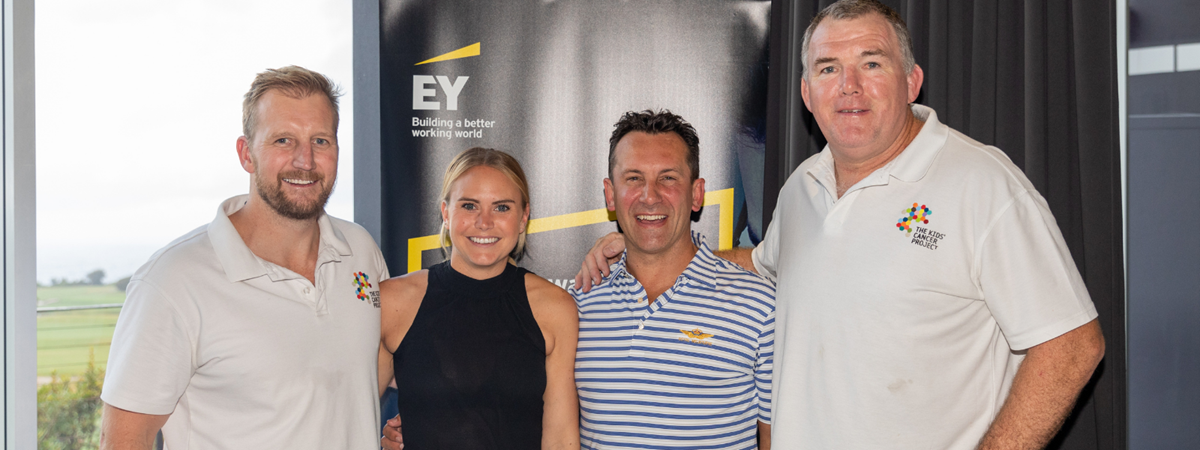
(425, 87)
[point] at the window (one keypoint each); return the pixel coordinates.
(138, 111)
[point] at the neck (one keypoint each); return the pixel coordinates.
(849, 172)
(289, 243)
(658, 272)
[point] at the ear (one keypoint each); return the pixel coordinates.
(243, 151)
(914, 83)
(610, 199)
(445, 213)
(697, 194)
(525, 219)
(804, 92)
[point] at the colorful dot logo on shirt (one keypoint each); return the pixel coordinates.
(362, 283)
(917, 214)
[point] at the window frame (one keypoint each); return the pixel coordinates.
(19, 324)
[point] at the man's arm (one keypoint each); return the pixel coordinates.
(764, 436)
(127, 430)
(1045, 388)
(608, 248)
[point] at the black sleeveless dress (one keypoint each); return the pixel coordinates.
(472, 369)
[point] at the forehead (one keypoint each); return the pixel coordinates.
(639, 150)
(276, 108)
(835, 36)
(485, 181)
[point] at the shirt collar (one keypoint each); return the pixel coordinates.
(914, 162)
(909, 166)
(698, 270)
(241, 264)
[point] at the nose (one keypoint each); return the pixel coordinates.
(484, 220)
(650, 193)
(850, 81)
(302, 156)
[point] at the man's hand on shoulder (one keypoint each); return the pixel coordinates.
(605, 251)
(741, 256)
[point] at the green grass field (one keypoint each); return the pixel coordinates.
(64, 339)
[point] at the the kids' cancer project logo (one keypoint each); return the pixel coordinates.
(919, 214)
(916, 214)
(362, 283)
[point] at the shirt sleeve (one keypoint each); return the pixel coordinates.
(152, 357)
(383, 274)
(765, 367)
(1027, 276)
(766, 254)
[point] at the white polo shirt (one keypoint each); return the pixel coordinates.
(901, 306)
(243, 353)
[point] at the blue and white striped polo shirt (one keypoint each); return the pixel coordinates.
(692, 370)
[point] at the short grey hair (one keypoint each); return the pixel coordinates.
(853, 9)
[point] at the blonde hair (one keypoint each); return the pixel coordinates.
(496, 159)
(292, 81)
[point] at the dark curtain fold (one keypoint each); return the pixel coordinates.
(1036, 78)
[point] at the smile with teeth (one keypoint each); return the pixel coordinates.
(649, 217)
(483, 240)
(299, 181)
(852, 110)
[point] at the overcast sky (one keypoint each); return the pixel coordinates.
(139, 108)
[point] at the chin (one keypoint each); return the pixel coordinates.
(487, 260)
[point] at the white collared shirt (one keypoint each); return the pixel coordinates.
(244, 353)
(901, 304)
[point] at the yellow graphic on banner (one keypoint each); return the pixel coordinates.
(465, 52)
(722, 199)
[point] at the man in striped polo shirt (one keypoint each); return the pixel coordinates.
(676, 346)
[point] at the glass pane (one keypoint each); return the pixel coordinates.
(139, 109)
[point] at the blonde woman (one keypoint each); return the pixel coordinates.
(483, 351)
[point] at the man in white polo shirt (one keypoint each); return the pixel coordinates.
(926, 298)
(258, 330)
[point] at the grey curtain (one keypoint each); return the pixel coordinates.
(1036, 78)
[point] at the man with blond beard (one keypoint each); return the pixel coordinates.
(260, 329)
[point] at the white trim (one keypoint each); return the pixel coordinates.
(1187, 57)
(1150, 60)
(20, 226)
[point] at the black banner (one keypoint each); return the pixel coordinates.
(545, 81)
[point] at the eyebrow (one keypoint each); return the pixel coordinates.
(467, 199)
(829, 59)
(639, 171)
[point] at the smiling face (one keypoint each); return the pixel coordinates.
(857, 88)
(653, 193)
(292, 155)
(486, 216)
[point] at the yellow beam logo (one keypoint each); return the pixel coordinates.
(465, 52)
(723, 199)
